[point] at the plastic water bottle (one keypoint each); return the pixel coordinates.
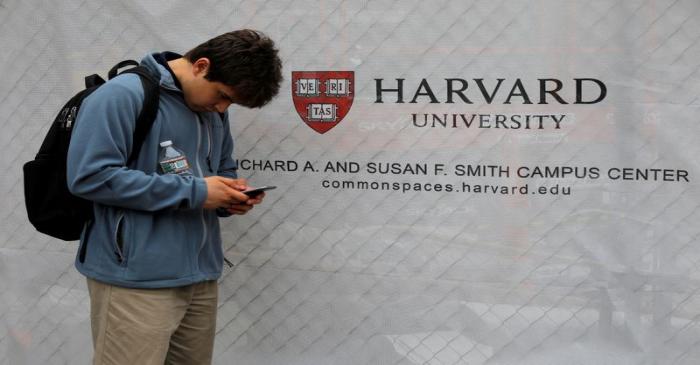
(172, 160)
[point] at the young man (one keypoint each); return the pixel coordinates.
(153, 252)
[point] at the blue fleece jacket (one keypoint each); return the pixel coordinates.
(150, 230)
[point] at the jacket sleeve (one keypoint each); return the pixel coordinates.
(227, 166)
(100, 144)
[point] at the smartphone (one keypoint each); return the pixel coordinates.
(252, 193)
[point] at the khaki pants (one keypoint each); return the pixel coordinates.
(153, 326)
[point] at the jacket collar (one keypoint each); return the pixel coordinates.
(164, 75)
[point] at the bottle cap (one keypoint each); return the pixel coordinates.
(166, 143)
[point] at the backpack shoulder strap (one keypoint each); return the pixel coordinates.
(149, 111)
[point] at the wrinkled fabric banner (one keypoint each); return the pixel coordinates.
(458, 182)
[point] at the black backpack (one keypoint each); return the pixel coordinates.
(51, 208)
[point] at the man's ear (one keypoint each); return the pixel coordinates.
(200, 66)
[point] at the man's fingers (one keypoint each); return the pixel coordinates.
(229, 182)
(257, 200)
(239, 208)
(238, 198)
(241, 181)
(238, 184)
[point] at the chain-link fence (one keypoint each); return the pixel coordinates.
(364, 267)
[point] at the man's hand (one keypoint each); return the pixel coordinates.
(243, 208)
(227, 194)
(223, 192)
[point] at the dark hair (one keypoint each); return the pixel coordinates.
(245, 60)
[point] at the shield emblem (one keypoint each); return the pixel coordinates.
(323, 98)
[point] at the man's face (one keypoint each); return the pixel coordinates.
(202, 95)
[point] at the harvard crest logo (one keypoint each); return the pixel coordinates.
(323, 98)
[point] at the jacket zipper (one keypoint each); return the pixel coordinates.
(199, 169)
(209, 146)
(204, 223)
